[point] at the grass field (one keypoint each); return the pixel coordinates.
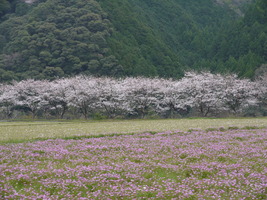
(160, 159)
(196, 165)
(14, 132)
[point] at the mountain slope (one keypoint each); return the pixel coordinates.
(242, 46)
(54, 38)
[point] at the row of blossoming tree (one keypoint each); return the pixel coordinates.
(203, 94)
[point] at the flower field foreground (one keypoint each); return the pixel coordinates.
(213, 164)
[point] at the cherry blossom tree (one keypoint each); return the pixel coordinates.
(7, 99)
(112, 97)
(261, 85)
(84, 93)
(142, 94)
(56, 96)
(170, 100)
(30, 95)
(202, 91)
(239, 94)
(205, 92)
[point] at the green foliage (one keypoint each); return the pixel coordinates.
(48, 39)
(52, 73)
(167, 37)
(241, 46)
(160, 39)
(57, 38)
(6, 76)
(4, 6)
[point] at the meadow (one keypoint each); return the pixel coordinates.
(14, 132)
(227, 159)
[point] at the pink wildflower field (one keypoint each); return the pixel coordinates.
(215, 164)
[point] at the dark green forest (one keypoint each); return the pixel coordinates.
(46, 39)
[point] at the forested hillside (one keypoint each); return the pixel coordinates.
(57, 37)
(45, 39)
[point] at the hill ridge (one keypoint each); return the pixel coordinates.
(48, 39)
